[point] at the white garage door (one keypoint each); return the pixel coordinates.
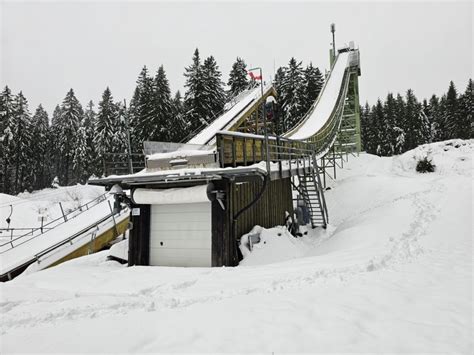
(180, 234)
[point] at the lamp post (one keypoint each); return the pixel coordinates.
(265, 133)
(333, 31)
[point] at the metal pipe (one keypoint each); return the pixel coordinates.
(243, 209)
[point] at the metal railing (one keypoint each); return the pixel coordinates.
(296, 158)
(89, 230)
(119, 163)
(16, 232)
(237, 149)
(83, 232)
(52, 224)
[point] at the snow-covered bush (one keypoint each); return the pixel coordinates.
(55, 183)
(425, 165)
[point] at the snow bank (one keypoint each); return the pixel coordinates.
(119, 250)
(179, 154)
(452, 156)
(277, 244)
(192, 194)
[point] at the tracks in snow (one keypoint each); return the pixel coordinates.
(217, 284)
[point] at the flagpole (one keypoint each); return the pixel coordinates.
(265, 132)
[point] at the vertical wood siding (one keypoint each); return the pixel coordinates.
(268, 212)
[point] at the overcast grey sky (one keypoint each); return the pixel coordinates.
(49, 47)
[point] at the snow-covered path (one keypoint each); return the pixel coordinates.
(393, 274)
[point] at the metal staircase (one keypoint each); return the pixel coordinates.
(308, 187)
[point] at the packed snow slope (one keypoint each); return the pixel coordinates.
(392, 274)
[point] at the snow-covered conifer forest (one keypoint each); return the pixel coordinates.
(78, 140)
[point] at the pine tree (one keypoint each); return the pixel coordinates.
(400, 127)
(119, 141)
(371, 135)
(425, 124)
(22, 147)
(400, 112)
(364, 125)
(142, 110)
(416, 123)
(194, 97)
(451, 117)
(433, 116)
(106, 127)
(68, 125)
(80, 157)
(213, 89)
(377, 121)
(41, 157)
(134, 119)
(464, 127)
(388, 134)
(238, 78)
(177, 127)
(6, 139)
(312, 84)
(159, 128)
(54, 147)
(291, 94)
(399, 142)
(278, 84)
(89, 123)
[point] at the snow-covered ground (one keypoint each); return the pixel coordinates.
(392, 274)
(26, 207)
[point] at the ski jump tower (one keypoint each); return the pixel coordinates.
(232, 176)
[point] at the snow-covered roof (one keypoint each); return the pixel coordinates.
(189, 174)
(178, 154)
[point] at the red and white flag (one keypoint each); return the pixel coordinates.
(255, 77)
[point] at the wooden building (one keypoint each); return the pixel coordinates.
(197, 219)
(190, 208)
